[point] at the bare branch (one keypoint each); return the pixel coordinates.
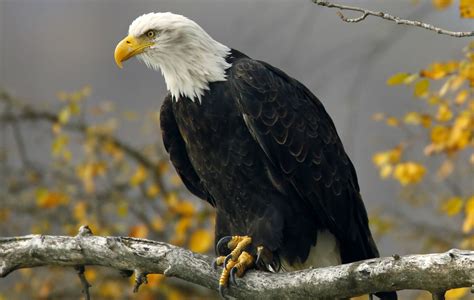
(433, 272)
(398, 20)
(85, 284)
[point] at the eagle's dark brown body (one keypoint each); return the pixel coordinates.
(264, 152)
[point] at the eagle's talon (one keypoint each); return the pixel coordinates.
(221, 291)
(221, 243)
(227, 258)
(259, 255)
(232, 275)
(218, 261)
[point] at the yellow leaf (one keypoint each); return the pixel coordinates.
(439, 134)
(184, 208)
(409, 173)
(444, 113)
(387, 157)
(385, 171)
(412, 118)
(439, 70)
(442, 4)
(421, 88)
(171, 199)
(59, 143)
(111, 289)
(447, 167)
(461, 97)
(50, 199)
(456, 294)
(181, 229)
(138, 231)
(392, 121)
(468, 224)
(139, 176)
(452, 206)
(91, 274)
(398, 78)
(456, 82)
(201, 241)
(64, 115)
(466, 8)
(426, 120)
(112, 150)
(152, 191)
(155, 279)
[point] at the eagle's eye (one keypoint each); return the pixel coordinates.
(150, 33)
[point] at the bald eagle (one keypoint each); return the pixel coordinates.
(259, 147)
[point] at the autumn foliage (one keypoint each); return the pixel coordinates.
(434, 163)
(94, 177)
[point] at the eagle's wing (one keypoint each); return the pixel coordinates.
(300, 140)
(174, 145)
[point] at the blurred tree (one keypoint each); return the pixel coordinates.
(93, 177)
(434, 163)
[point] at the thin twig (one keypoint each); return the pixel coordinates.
(85, 284)
(398, 20)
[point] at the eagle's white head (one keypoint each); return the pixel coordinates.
(186, 55)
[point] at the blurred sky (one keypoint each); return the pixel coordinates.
(51, 45)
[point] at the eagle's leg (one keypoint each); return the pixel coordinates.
(225, 277)
(237, 244)
(244, 262)
(235, 263)
(219, 261)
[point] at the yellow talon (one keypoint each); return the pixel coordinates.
(244, 262)
(236, 263)
(238, 244)
(219, 261)
(225, 273)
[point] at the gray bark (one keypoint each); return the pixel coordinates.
(432, 272)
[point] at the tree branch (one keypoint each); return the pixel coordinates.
(398, 20)
(432, 272)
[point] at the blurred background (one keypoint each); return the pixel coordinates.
(80, 141)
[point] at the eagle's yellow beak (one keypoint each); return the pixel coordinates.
(129, 47)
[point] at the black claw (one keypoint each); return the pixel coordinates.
(214, 264)
(232, 275)
(227, 258)
(221, 291)
(222, 242)
(259, 257)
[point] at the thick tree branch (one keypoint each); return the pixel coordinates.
(398, 20)
(432, 272)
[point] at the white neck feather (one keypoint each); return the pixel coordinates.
(191, 65)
